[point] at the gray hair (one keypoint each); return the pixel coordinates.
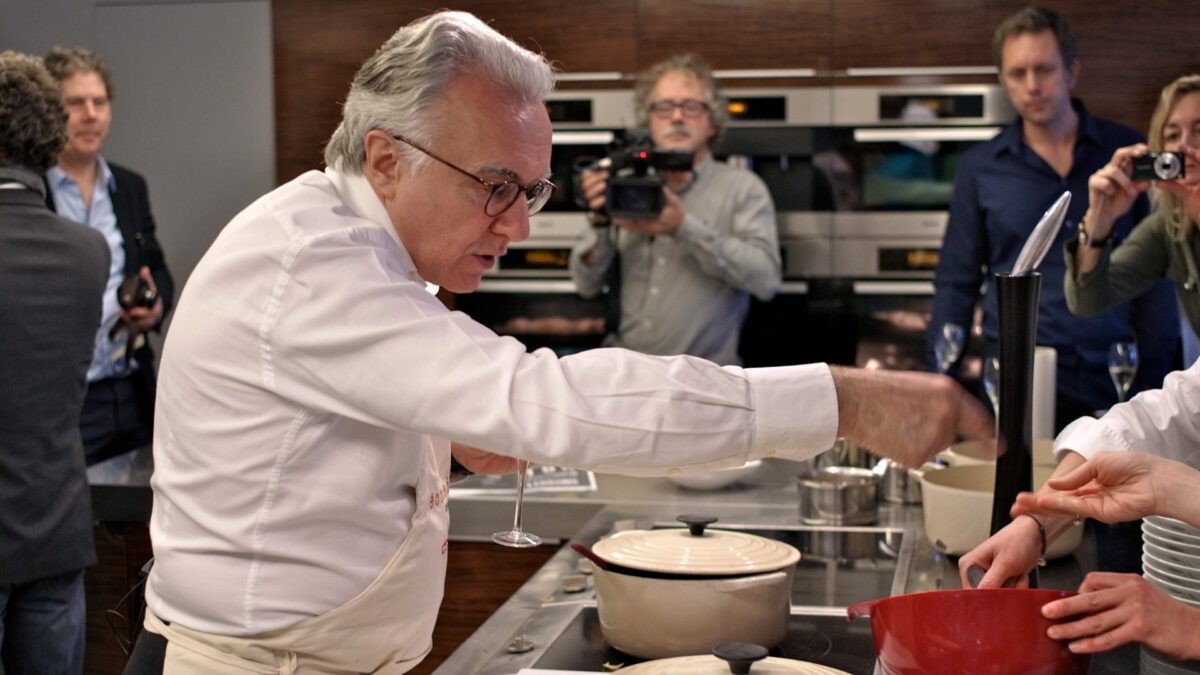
(396, 88)
(33, 122)
(63, 62)
(695, 67)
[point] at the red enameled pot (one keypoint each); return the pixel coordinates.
(997, 631)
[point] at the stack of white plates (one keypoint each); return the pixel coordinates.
(1170, 561)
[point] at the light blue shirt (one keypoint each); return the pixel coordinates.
(108, 359)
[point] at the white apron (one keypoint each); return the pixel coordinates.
(386, 629)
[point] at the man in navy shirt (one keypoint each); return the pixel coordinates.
(1003, 187)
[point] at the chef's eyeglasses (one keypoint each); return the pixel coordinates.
(689, 106)
(504, 193)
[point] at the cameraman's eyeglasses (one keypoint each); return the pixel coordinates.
(504, 193)
(690, 107)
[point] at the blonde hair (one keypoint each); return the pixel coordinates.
(1179, 224)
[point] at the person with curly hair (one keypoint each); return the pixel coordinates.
(52, 272)
(118, 410)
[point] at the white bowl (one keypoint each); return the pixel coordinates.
(1168, 542)
(968, 453)
(1189, 582)
(1192, 597)
(1185, 570)
(1174, 557)
(958, 509)
(715, 480)
(1173, 534)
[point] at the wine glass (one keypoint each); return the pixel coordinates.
(1122, 367)
(948, 346)
(517, 537)
(991, 382)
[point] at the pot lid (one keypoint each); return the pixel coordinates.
(696, 551)
(711, 665)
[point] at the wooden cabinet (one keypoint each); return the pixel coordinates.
(479, 578)
(1127, 57)
(874, 34)
(750, 34)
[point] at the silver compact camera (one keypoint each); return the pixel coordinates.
(1158, 166)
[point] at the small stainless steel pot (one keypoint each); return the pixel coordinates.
(839, 495)
(899, 485)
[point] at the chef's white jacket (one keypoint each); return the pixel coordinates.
(1165, 422)
(306, 366)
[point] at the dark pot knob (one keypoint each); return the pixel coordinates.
(696, 524)
(739, 655)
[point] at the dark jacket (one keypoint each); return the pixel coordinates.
(52, 274)
(131, 205)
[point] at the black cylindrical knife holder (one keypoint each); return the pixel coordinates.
(1018, 334)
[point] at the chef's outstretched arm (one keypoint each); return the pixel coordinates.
(482, 461)
(906, 416)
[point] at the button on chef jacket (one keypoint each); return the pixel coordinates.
(306, 368)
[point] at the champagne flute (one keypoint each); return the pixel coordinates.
(1122, 367)
(948, 346)
(518, 537)
(991, 382)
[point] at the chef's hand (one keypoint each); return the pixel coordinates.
(1111, 191)
(906, 416)
(1115, 609)
(1006, 557)
(482, 461)
(1116, 487)
(1188, 189)
(143, 319)
(667, 222)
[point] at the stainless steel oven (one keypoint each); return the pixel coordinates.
(861, 178)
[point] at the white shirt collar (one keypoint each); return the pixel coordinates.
(57, 177)
(358, 194)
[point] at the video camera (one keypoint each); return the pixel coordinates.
(634, 184)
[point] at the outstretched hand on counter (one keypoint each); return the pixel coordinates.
(1116, 609)
(906, 416)
(1117, 487)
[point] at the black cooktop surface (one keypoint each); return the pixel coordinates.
(828, 640)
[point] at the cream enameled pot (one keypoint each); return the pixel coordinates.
(678, 592)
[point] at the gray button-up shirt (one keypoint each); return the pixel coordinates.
(689, 294)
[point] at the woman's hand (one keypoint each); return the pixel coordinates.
(1113, 487)
(1187, 189)
(482, 461)
(1006, 556)
(1111, 191)
(1115, 609)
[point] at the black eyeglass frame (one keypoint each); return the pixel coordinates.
(534, 200)
(667, 107)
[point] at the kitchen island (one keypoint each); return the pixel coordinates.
(550, 622)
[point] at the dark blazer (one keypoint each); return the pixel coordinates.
(131, 205)
(52, 274)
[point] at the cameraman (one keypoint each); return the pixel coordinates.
(118, 412)
(681, 282)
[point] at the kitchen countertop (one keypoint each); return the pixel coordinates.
(541, 609)
(770, 497)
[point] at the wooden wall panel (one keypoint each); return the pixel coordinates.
(737, 34)
(319, 45)
(870, 33)
(1127, 56)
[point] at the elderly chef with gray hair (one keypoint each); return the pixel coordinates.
(313, 391)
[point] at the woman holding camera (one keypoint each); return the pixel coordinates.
(1165, 243)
